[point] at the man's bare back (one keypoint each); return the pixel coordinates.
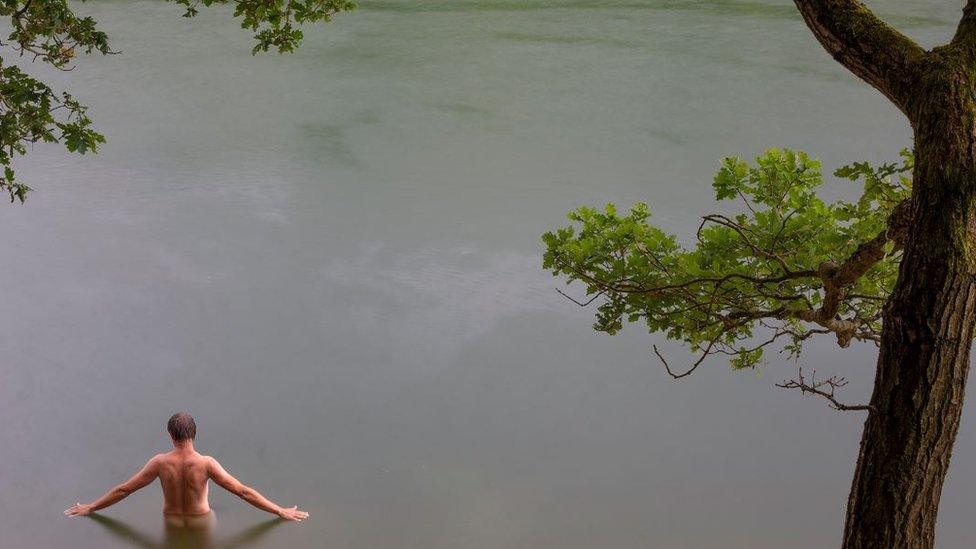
(183, 474)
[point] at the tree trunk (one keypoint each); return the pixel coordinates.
(928, 326)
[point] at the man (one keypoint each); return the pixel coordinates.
(183, 474)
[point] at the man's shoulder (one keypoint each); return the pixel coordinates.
(209, 464)
(167, 461)
(156, 461)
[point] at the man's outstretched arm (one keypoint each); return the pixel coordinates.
(250, 495)
(146, 475)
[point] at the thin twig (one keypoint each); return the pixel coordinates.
(580, 303)
(824, 388)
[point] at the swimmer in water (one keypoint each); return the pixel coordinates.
(184, 475)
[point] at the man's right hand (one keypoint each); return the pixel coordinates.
(292, 513)
(82, 509)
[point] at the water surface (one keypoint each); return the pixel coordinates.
(332, 260)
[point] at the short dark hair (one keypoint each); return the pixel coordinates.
(182, 427)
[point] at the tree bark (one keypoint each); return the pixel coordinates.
(864, 44)
(929, 321)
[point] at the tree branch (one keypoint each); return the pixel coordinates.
(694, 366)
(795, 268)
(578, 302)
(824, 388)
(966, 31)
(836, 279)
(19, 13)
(869, 48)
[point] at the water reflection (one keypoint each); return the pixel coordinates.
(124, 532)
(183, 533)
(251, 535)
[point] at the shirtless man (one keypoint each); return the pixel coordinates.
(183, 474)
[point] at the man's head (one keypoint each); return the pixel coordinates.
(181, 427)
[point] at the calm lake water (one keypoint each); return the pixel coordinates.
(332, 260)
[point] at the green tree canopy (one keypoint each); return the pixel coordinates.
(786, 268)
(51, 32)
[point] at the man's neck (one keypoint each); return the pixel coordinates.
(183, 446)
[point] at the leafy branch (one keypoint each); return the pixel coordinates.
(50, 32)
(275, 22)
(787, 268)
